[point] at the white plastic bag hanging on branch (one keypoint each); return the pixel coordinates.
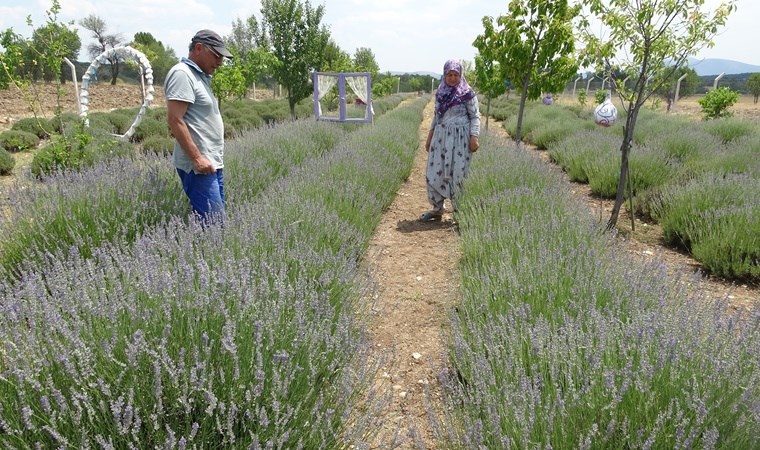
(605, 114)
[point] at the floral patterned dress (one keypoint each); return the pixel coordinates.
(450, 155)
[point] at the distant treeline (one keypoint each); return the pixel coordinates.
(737, 82)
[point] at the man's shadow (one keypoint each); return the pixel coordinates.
(413, 226)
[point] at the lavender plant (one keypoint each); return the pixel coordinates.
(559, 343)
(576, 152)
(715, 216)
(241, 335)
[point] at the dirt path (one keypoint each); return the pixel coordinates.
(414, 267)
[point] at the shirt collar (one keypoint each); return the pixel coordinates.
(195, 66)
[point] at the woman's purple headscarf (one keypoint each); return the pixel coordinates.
(448, 96)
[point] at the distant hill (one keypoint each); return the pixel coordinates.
(718, 66)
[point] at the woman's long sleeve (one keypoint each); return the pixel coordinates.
(473, 112)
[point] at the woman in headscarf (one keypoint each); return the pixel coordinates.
(452, 139)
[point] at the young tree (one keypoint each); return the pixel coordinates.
(247, 36)
(364, 61)
(103, 41)
(298, 42)
(386, 85)
(161, 58)
(11, 59)
(336, 60)
(753, 85)
(51, 43)
(488, 80)
(716, 102)
(649, 40)
(250, 45)
(534, 47)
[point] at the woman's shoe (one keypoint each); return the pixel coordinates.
(431, 216)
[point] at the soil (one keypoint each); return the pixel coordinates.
(414, 267)
(45, 99)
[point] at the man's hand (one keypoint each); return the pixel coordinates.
(203, 166)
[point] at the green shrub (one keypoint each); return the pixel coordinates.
(97, 123)
(234, 126)
(150, 127)
(728, 242)
(715, 103)
(740, 156)
(158, 144)
(158, 114)
(18, 141)
(545, 135)
(106, 148)
(81, 149)
(600, 96)
(7, 162)
(65, 122)
(730, 129)
(52, 157)
(272, 111)
(581, 153)
(652, 126)
(688, 143)
(120, 123)
(39, 126)
(582, 98)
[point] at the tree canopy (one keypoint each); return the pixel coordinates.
(533, 46)
(298, 41)
(161, 58)
(364, 61)
(103, 41)
(753, 85)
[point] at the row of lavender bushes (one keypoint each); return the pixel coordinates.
(698, 179)
(563, 341)
(80, 209)
(245, 335)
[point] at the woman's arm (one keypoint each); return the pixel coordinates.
(473, 112)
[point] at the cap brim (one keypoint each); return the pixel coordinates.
(224, 52)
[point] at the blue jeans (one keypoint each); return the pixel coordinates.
(206, 192)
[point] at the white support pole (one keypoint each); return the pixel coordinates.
(715, 83)
(575, 84)
(678, 89)
(76, 85)
(624, 80)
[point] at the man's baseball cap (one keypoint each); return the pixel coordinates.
(213, 40)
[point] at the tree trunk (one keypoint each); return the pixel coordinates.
(292, 105)
(520, 111)
(625, 150)
(114, 72)
(488, 111)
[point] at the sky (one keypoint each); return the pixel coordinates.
(404, 35)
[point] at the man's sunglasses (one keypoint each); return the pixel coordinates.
(216, 53)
